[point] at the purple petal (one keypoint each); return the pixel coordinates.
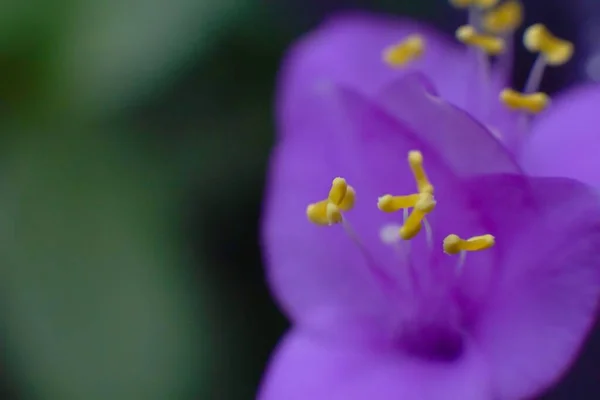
(547, 291)
(565, 139)
(305, 367)
(347, 50)
(465, 144)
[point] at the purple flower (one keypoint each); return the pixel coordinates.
(484, 283)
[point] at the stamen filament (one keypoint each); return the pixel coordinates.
(406, 243)
(505, 60)
(428, 233)
(474, 17)
(534, 79)
(481, 61)
(462, 258)
(552, 51)
(382, 277)
(484, 72)
(532, 84)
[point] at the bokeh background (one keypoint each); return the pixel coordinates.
(134, 140)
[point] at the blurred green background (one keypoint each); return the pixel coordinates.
(134, 140)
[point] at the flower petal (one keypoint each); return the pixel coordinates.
(305, 367)
(318, 271)
(467, 145)
(546, 295)
(347, 50)
(565, 140)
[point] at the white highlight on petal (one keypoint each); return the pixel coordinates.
(494, 131)
(434, 98)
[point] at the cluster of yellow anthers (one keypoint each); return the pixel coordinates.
(342, 196)
(488, 33)
(422, 202)
(329, 211)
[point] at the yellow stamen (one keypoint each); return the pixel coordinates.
(347, 202)
(334, 215)
(404, 52)
(317, 213)
(422, 203)
(415, 160)
(338, 190)
(507, 17)
(489, 44)
(454, 244)
(483, 4)
(412, 225)
(389, 203)
(533, 103)
(538, 39)
(329, 211)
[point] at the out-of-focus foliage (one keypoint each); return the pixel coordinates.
(93, 56)
(102, 299)
(118, 50)
(99, 302)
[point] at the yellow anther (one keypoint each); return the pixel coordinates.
(507, 17)
(483, 4)
(454, 244)
(317, 213)
(404, 52)
(490, 44)
(347, 202)
(334, 215)
(329, 211)
(532, 103)
(426, 202)
(538, 39)
(415, 160)
(389, 203)
(422, 203)
(338, 190)
(412, 225)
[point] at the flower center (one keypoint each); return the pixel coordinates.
(430, 319)
(433, 342)
(342, 197)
